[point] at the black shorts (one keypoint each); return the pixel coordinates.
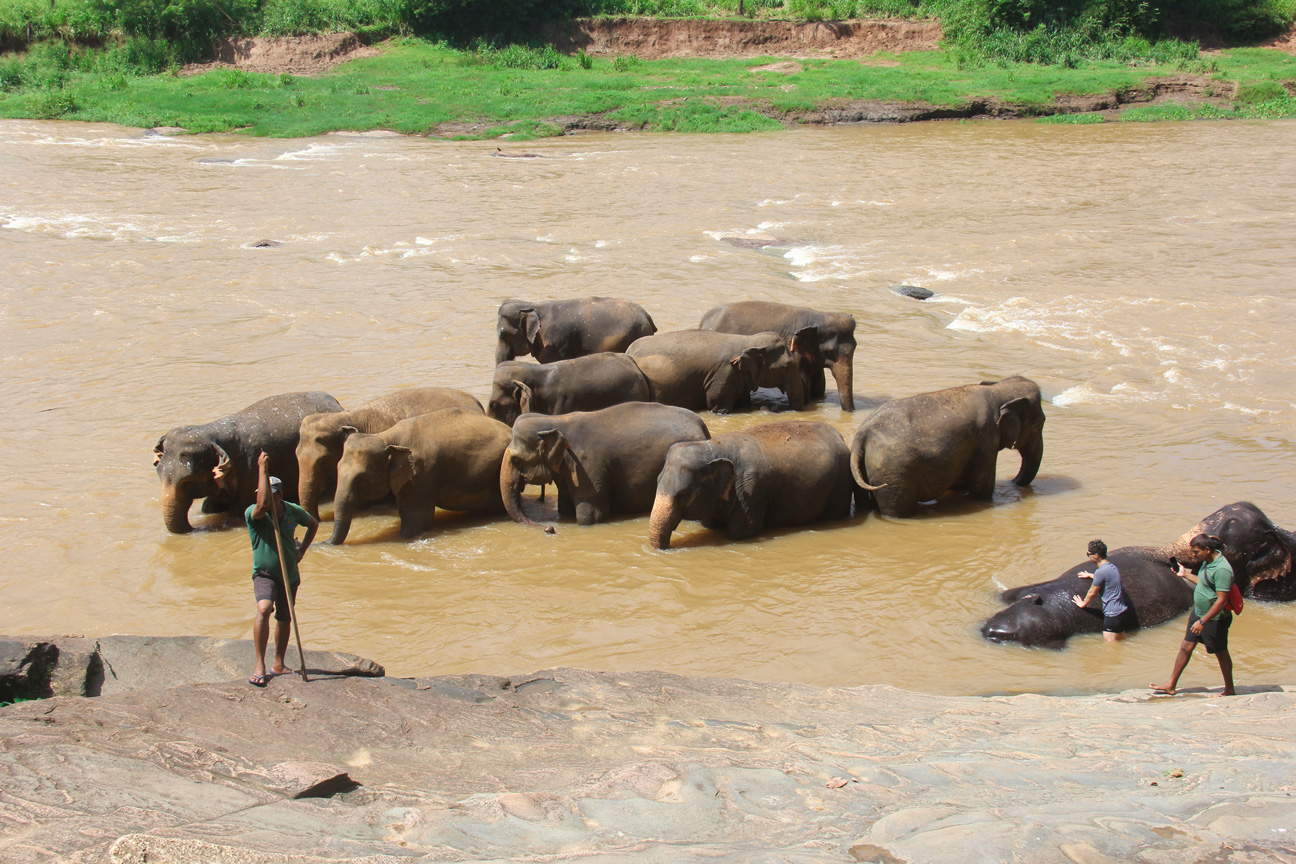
(1214, 633)
(1119, 623)
(267, 587)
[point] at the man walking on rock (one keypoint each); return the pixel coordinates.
(267, 576)
(1210, 618)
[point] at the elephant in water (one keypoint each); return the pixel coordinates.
(581, 384)
(914, 449)
(319, 445)
(603, 462)
(217, 461)
(448, 458)
(772, 475)
(703, 370)
(827, 339)
(563, 329)
(1260, 553)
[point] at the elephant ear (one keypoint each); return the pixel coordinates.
(531, 327)
(721, 474)
(157, 452)
(401, 470)
(805, 345)
(750, 361)
(343, 433)
(553, 447)
(1012, 419)
(526, 398)
(221, 473)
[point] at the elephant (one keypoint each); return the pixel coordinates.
(1044, 615)
(217, 461)
(702, 369)
(581, 384)
(319, 446)
(914, 449)
(564, 329)
(1259, 552)
(603, 462)
(828, 340)
(448, 458)
(775, 474)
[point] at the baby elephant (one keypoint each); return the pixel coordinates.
(581, 384)
(319, 446)
(603, 462)
(448, 458)
(775, 474)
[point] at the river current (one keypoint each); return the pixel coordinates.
(1142, 274)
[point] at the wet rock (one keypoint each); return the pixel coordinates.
(913, 291)
(265, 244)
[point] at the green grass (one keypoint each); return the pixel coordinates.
(415, 86)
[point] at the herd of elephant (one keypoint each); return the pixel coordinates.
(608, 415)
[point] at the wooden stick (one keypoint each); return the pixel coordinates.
(283, 573)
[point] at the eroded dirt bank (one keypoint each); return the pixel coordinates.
(180, 766)
(652, 39)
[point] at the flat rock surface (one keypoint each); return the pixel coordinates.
(569, 764)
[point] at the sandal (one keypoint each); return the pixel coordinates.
(260, 680)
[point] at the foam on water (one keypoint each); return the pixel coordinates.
(90, 226)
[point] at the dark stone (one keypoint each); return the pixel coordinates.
(913, 291)
(266, 244)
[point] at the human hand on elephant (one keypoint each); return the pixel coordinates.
(1078, 600)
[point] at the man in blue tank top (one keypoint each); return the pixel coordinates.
(1106, 579)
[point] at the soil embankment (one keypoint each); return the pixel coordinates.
(179, 766)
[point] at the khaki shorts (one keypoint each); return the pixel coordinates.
(268, 587)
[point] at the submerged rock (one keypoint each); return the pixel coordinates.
(913, 291)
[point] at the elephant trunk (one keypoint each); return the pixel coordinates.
(310, 487)
(175, 509)
(343, 508)
(665, 518)
(511, 484)
(1032, 454)
(503, 352)
(843, 371)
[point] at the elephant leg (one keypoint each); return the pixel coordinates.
(746, 521)
(566, 507)
(980, 479)
(817, 386)
(589, 513)
(415, 516)
(896, 502)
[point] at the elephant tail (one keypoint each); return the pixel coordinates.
(861, 481)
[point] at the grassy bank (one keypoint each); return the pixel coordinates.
(419, 87)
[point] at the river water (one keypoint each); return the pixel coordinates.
(1141, 274)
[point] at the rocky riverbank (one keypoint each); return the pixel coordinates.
(181, 760)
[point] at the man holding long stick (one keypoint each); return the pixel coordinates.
(267, 576)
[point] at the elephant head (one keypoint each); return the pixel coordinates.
(319, 448)
(1029, 622)
(191, 466)
(1021, 425)
(518, 331)
(510, 400)
(836, 336)
(370, 469)
(536, 455)
(695, 483)
(777, 366)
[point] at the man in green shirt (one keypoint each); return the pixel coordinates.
(1210, 618)
(267, 576)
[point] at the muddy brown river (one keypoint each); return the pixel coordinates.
(1143, 275)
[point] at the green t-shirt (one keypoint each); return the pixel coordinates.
(1213, 576)
(265, 553)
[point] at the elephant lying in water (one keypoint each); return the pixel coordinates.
(319, 445)
(603, 462)
(448, 458)
(563, 329)
(581, 384)
(772, 475)
(1260, 553)
(703, 370)
(826, 339)
(913, 450)
(217, 461)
